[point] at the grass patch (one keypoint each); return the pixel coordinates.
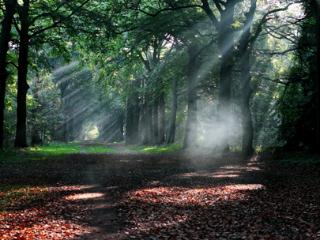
(52, 150)
(55, 150)
(157, 149)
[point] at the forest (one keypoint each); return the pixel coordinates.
(159, 119)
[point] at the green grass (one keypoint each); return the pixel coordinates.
(157, 149)
(51, 151)
(55, 150)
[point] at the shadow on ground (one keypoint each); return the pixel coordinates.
(143, 196)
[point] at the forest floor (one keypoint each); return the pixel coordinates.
(155, 193)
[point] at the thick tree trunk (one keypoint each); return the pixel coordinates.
(21, 128)
(162, 120)
(226, 52)
(174, 106)
(246, 89)
(6, 26)
(245, 49)
(191, 122)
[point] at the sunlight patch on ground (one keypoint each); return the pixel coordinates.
(53, 217)
(218, 174)
(250, 167)
(165, 209)
(197, 196)
(41, 228)
(84, 196)
(245, 187)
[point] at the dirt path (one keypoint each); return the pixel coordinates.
(141, 196)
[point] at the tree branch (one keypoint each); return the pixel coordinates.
(56, 24)
(167, 9)
(265, 19)
(208, 11)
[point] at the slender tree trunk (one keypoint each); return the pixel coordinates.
(145, 126)
(191, 123)
(36, 127)
(6, 26)
(162, 120)
(174, 106)
(21, 128)
(149, 129)
(132, 116)
(155, 121)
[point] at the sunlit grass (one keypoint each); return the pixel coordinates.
(54, 150)
(158, 149)
(51, 151)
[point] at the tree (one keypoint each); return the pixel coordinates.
(9, 11)
(58, 14)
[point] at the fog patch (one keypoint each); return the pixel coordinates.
(213, 131)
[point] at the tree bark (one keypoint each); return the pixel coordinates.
(174, 106)
(246, 89)
(245, 50)
(22, 85)
(317, 78)
(6, 26)
(36, 126)
(226, 52)
(155, 121)
(191, 122)
(162, 121)
(132, 116)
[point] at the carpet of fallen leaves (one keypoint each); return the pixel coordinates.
(158, 197)
(285, 208)
(41, 213)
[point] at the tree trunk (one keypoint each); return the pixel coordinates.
(162, 118)
(6, 26)
(146, 127)
(317, 79)
(36, 126)
(245, 49)
(174, 106)
(132, 116)
(246, 89)
(21, 128)
(191, 123)
(155, 121)
(226, 52)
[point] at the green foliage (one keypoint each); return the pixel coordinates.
(58, 150)
(53, 150)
